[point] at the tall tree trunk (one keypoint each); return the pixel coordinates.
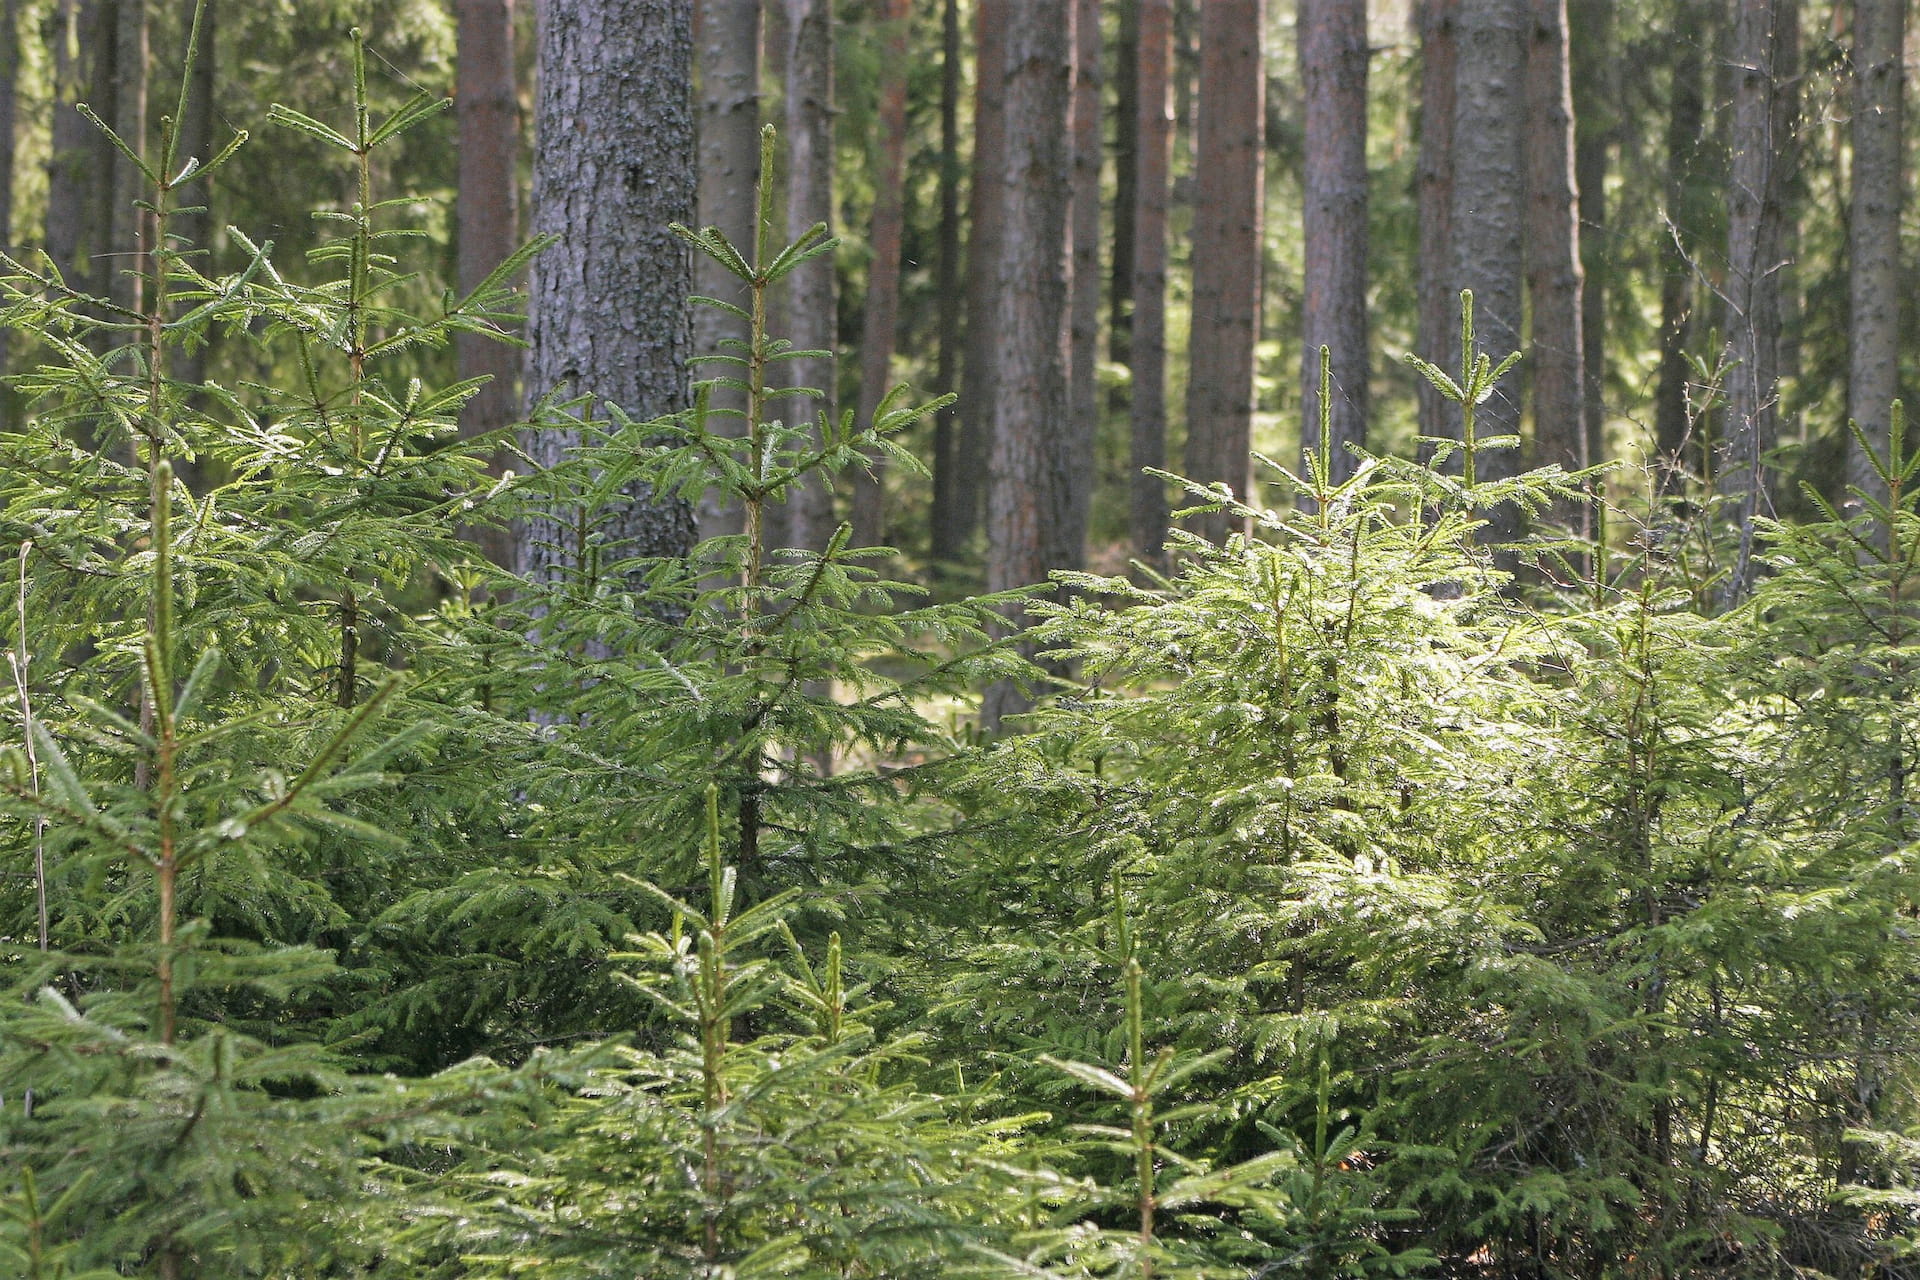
(812, 305)
(1488, 179)
(130, 231)
(1752, 321)
(942, 544)
(1333, 79)
(1686, 119)
(1147, 495)
(607, 315)
(1876, 279)
(1083, 394)
(1126, 168)
(882, 319)
(1438, 326)
(1226, 251)
(1028, 502)
(986, 215)
(487, 105)
(66, 157)
(195, 229)
(727, 56)
(1553, 251)
(1590, 41)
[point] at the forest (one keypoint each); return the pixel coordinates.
(1022, 639)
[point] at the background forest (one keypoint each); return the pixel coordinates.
(1033, 638)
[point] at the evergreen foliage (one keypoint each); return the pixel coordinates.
(1368, 902)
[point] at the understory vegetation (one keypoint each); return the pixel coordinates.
(1364, 900)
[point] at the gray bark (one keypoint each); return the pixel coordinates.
(1752, 291)
(130, 233)
(942, 541)
(1673, 426)
(1333, 77)
(1488, 182)
(1438, 327)
(1594, 88)
(1028, 502)
(729, 136)
(811, 323)
(1877, 281)
(614, 164)
(1083, 407)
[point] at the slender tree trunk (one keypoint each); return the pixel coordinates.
(1126, 167)
(487, 105)
(1590, 37)
(1083, 396)
(608, 314)
(941, 541)
(1226, 252)
(1438, 325)
(1028, 502)
(1751, 327)
(986, 215)
(727, 55)
(1554, 277)
(195, 229)
(1333, 79)
(1876, 279)
(99, 47)
(66, 158)
(880, 328)
(1686, 119)
(1488, 169)
(1147, 495)
(812, 305)
(130, 230)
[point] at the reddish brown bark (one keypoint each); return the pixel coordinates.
(487, 105)
(1147, 495)
(941, 542)
(879, 330)
(1083, 405)
(986, 213)
(1226, 251)
(1554, 277)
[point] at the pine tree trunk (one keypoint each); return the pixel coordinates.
(1126, 168)
(9, 82)
(728, 60)
(613, 165)
(195, 230)
(1333, 79)
(1553, 250)
(130, 233)
(1873, 232)
(1751, 326)
(1590, 39)
(1686, 119)
(1083, 396)
(812, 305)
(100, 46)
(1226, 252)
(942, 545)
(1147, 495)
(1438, 324)
(1488, 179)
(986, 215)
(879, 330)
(1028, 494)
(67, 206)
(487, 105)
